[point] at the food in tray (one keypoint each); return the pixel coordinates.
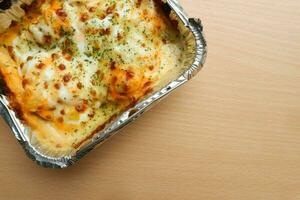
(72, 66)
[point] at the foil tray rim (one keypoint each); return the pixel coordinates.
(194, 25)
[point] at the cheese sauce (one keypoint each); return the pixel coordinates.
(73, 65)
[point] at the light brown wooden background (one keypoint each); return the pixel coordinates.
(231, 133)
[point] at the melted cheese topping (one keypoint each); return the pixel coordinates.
(73, 65)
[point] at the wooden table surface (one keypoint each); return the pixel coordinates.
(233, 132)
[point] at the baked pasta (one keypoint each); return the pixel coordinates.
(71, 66)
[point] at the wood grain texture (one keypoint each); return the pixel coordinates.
(231, 133)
